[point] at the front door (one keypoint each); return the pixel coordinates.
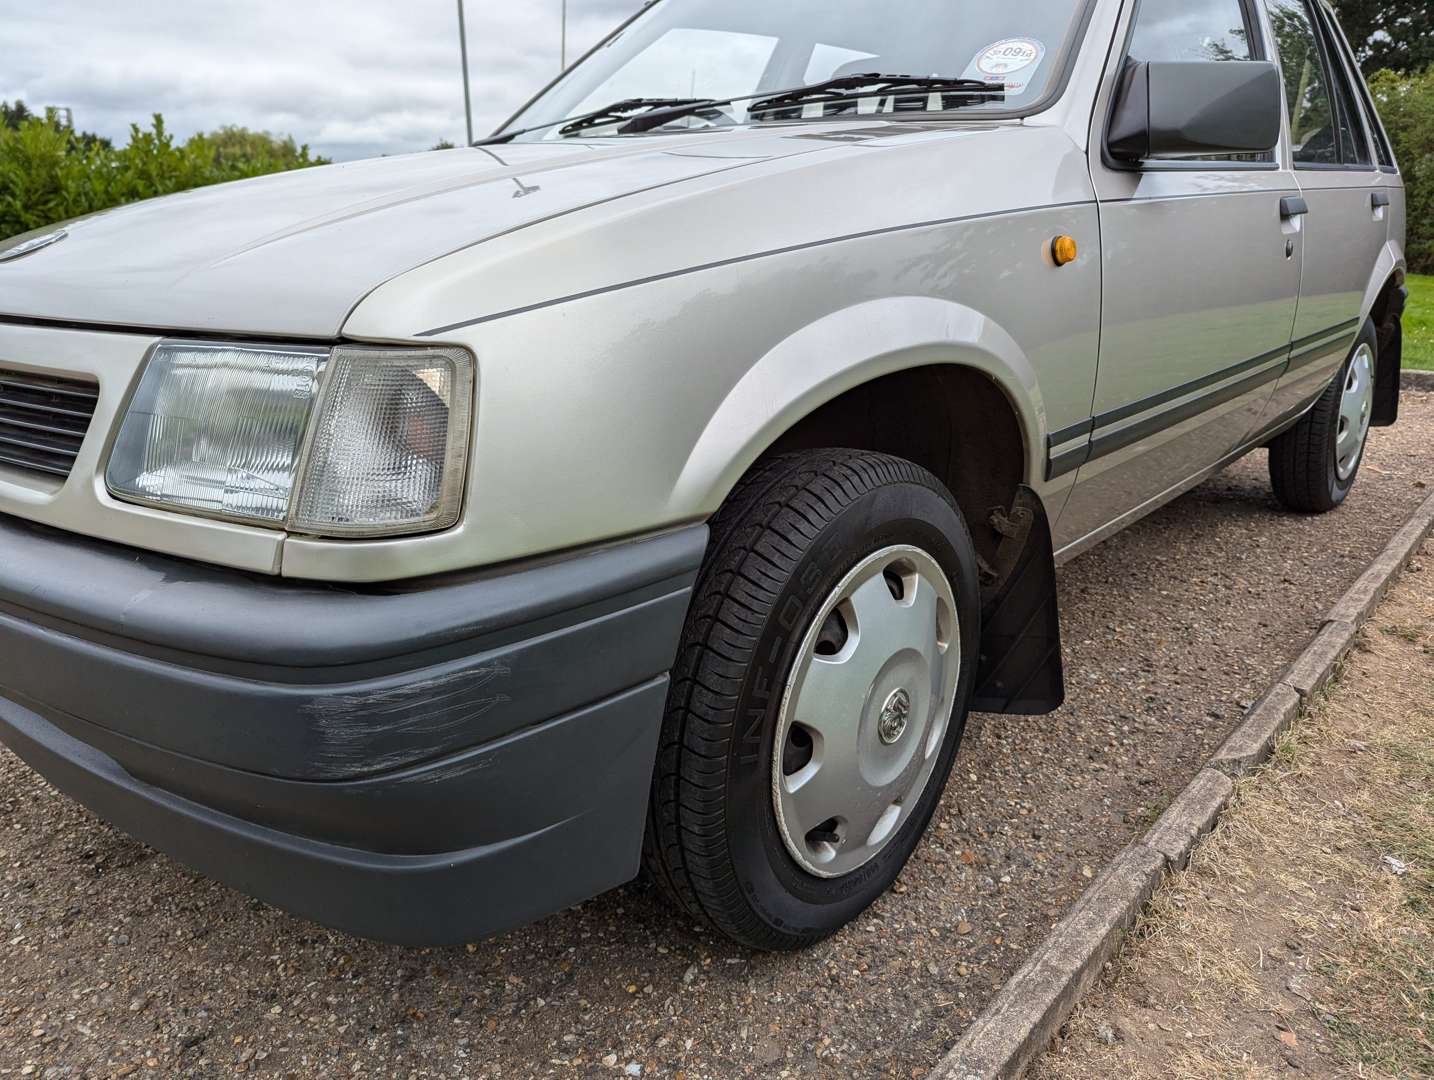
(1202, 277)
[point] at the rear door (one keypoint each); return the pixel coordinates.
(1347, 196)
(1201, 282)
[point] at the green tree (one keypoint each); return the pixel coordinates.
(12, 116)
(235, 145)
(1396, 34)
(1406, 104)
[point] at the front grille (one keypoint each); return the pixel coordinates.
(43, 420)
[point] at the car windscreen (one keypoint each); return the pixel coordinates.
(721, 49)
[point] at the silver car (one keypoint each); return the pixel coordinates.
(425, 544)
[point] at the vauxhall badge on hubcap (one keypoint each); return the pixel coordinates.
(894, 716)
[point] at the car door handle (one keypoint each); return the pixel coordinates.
(1379, 199)
(1292, 206)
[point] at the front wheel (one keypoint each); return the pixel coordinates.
(1313, 466)
(819, 696)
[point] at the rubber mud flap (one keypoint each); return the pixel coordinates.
(1387, 378)
(1021, 672)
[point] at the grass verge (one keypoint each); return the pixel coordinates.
(1419, 324)
(1302, 936)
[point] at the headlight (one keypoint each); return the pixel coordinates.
(345, 442)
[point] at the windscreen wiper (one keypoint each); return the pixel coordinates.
(846, 89)
(616, 113)
(852, 88)
(608, 114)
(655, 112)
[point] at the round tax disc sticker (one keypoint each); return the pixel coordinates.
(1013, 57)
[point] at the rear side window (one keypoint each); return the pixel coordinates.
(1191, 30)
(1383, 154)
(1353, 143)
(1313, 123)
(1326, 122)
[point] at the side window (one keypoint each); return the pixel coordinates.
(1176, 30)
(1353, 144)
(1386, 155)
(1383, 155)
(1191, 30)
(1314, 125)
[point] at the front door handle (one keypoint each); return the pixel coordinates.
(1292, 206)
(1379, 199)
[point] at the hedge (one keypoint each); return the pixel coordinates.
(48, 174)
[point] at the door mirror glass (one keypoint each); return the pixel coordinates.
(1195, 109)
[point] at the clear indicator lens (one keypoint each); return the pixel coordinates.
(389, 441)
(217, 430)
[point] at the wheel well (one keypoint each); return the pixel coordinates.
(955, 422)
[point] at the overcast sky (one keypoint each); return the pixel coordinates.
(352, 78)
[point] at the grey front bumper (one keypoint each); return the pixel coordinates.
(423, 765)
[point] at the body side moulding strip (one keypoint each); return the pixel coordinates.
(1304, 356)
(1126, 436)
(1296, 354)
(1347, 325)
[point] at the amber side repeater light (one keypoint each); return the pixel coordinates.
(1064, 250)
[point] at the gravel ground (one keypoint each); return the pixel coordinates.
(118, 961)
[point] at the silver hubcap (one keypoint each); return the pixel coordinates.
(866, 711)
(1356, 406)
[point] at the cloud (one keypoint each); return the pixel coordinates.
(352, 78)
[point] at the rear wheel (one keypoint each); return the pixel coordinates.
(1313, 466)
(819, 696)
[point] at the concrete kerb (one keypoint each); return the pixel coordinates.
(1419, 381)
(1029, 1010)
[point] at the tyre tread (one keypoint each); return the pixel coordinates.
(1302, 459)
(758, 538)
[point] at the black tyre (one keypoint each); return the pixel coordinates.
(819, 696)
(1314, 465)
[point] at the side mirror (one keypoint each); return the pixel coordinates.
(1195, 109)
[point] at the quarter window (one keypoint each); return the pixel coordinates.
(1382, 150)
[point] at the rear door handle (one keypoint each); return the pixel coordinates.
(1292, 206)
(1379, 199)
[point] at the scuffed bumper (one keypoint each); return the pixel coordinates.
(425, 765)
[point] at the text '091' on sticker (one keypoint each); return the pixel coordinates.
(1011, 63)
